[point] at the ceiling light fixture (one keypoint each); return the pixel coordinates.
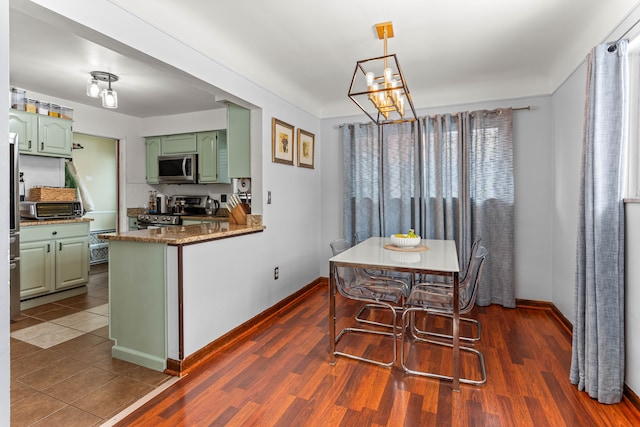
(108, 95)
(378, 86)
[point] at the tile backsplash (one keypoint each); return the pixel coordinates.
(42, 171)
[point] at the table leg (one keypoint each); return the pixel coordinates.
(332, 315)
(456, 334)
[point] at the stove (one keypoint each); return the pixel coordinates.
(146, 221)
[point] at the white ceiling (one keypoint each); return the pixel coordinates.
(451, 51)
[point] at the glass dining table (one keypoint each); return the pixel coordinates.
(440, 258)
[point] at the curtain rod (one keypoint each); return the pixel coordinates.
(528, 108)
(614, 45)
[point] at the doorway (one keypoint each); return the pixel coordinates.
(96, 163)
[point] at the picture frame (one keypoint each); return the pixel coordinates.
(306, 148)
(282, 142)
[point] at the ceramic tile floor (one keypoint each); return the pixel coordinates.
(62, 372)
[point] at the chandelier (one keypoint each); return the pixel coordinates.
(108, 95)
(378, 86)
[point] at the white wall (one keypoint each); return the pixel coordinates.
(568, 108)
(533, 194)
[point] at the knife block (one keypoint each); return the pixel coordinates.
(238, 215)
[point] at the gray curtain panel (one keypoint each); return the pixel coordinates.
(597, 364)
(447, 177)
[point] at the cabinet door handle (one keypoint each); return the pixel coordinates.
(54, 233)
(48, 247)
(60, 247)
(29, 144)
(42, 145)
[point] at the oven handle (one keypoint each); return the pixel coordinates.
(184, 167)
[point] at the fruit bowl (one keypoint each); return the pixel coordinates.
(405, 242)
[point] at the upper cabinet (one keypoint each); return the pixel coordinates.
(212, 157)
(222, 154)
(153, 151)
(179, 144)
(239, 141)
(211, 148)
(42, 135)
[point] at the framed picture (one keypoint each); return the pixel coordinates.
(306, 147)
(282, 143)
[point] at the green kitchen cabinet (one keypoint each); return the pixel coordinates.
(239, 141)
(37, 278)
(179, 144)
(210, 146)
(153, 148)
(42, 135)
(212, 157)
(54, 257)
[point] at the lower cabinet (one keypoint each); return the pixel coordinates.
(53, 258)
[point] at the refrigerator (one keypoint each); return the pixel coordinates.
(14, 228)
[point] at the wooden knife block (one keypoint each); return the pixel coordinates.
(239, 214)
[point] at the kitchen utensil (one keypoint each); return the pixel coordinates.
(161, 204)
(231, 202)
(179, 207)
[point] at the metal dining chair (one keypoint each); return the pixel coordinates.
(475, 324)
(385, 293)
(426, 279)
(340, 245)
(433, 300)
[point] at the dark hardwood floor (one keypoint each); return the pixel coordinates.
(280, 376)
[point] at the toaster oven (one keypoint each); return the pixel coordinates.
(50, 210)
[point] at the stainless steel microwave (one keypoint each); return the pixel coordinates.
(50, 210)
(180, 169)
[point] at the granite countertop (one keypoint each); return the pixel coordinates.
(184, 234)
(29, 222)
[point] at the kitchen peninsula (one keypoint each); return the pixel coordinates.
(164, 292)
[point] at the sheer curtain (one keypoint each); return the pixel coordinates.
(597, 364)
(448, 177)
(379, 178)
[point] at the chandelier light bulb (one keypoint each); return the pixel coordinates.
(370, 77)
(387, 75)
(109, 98)
(93, 89)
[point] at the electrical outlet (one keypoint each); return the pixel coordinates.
(276, 273)
(223, 198)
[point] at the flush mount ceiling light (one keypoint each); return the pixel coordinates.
(108, 95)
(378, 86)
